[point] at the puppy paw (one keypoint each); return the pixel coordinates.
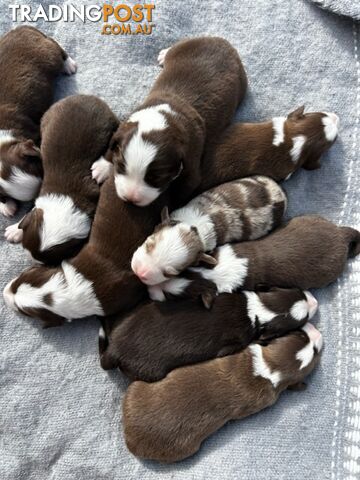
(70, 66)
(156, 293)
(13, 234)
(8, 209)
(101, 170)
(162, 55)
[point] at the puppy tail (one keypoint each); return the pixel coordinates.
(353, 237)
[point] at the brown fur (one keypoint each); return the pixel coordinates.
(168, 420)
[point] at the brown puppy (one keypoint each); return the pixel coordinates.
(307, 252)
(276, 148)
(98, 281)
(75, 132)
(29, 64)
(194, 98)
(158, 337)
(168, 420)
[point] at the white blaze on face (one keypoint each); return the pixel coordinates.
(306, 354)
(279, 132)
(261, 368)
(139, 154)
(168, 254)
(257, 310)
(296, 150)
(331, 124)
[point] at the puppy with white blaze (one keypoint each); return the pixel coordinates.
(236, 211)
(193, 100)
(75, 132)
(29, 64)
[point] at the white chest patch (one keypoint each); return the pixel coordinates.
(20, 185)
(261, 368)
(256, 309)
(175, 286)
(62, 220)
(279, 133)
(229, 273)
(298, 144)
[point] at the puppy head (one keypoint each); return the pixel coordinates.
(309, 135)
(21, 169)
(168, 251)
(32, 294)
(280, 310)
(147, 153)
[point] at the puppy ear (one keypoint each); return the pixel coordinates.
(25, 222)
(208, 259)
(207, 299)
(165, 217)
(29, 149)
(296, 114)
(171, 272)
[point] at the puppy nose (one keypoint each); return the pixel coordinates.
(143, 273)
(312, 303)
(314, 335)
(334, 118)
(132, 196)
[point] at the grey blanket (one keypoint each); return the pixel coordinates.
(60, 413)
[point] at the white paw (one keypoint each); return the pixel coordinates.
(156, 293)
(162, 55)
(101, 170)
(70, 66)
(8, 209)
(13, 234)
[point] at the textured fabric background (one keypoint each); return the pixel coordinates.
(60, 413)
(350, 8)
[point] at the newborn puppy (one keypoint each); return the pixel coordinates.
(75, 132)
(240, 210)
(195, 96)
(98, 281)
(156, 338)
(168, 420)
(29, 64)
(307, 252)
(276, 148)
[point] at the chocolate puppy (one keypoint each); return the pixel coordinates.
(29, 64)
(276, 148)
(168, 420)
(156, 338)
(193, 99)
(307, 252)
(75, 132)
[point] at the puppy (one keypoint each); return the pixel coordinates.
(29, 64)
(276, 148)
(97, 281)
(307, 252)
(194, 98)
(168, 420)
(240, 210)
(156, 338)
(75, 132)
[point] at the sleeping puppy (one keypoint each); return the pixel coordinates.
(156, 338)
(29, 64)
(276, 148)
(194, 98)
(244, 209)
(98, 280)
(75, 132)
(307, 252)
(168, 420)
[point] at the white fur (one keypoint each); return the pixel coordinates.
(102, 333)
(175, 286)
(298, 143)
(72, 294)
(299, 310)
(20, 185)
(62, 220)
(306, 354)
(6, 136)
(70, 66)
(230, 272)
(312, 303)
(288, 176)
(331, 125)
(13, 233)
(192, 216)
(162, 55)
(101, 170)
(279, 133)
(8, 208)
(261, 368)
(139, 154)
(256, 309)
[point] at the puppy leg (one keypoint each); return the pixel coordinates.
(13, 233)
(8, 208)
(162, 55)
(101, 170)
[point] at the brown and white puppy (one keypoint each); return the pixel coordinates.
(307, 252)
(194, 98)
(158, 337)
(29, 64)
(235, 211)
(75, 132)
(98, 281)
(168, 420)
(276, 148)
